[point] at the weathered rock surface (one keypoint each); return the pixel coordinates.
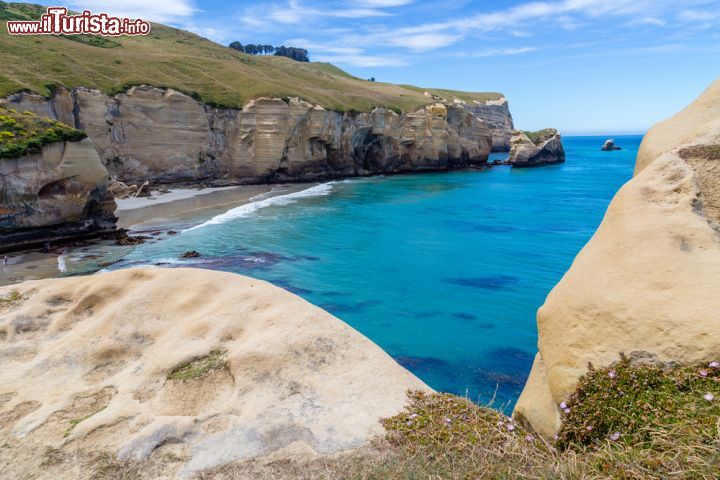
(187, 368)
(609, 146)
(545, 148)
(166, 136)
(59, 193)
(646, 283)
(496, 113)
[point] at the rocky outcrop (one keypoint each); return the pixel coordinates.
(536, 149)
(59, 193)
(188, 369)
(496, 113)
(610, 146)
(165, 136)
(646, 283)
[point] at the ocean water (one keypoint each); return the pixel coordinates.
(444, 271)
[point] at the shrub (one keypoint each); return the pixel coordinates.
(22, 133)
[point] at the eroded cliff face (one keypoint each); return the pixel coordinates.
(646, 283)
(496, 113)
(61, 192)
(166, 136)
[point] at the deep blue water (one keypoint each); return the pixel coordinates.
(443, 271)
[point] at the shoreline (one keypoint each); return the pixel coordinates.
(152, 215)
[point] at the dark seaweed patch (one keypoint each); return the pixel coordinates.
(491, 282)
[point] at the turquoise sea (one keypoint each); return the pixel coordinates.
(444, 271)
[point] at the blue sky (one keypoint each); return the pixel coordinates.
(583, 66)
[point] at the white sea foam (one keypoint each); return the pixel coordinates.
(62, 266)
(263, 201)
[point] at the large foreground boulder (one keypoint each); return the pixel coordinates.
(536, 149)
(646, 283)
(189, 368)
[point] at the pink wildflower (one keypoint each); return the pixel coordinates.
(413, 416)
(510, 426)
(615, 436)
(563, 405)
(714, 365)
(709, 397)
(703, 373)
(447, 420)
(612, 374)
(567, 410)
(589, 428)
(530, 438)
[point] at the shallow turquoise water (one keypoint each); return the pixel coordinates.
(443, 271)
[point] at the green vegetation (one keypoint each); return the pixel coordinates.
(94, 40)
(25, 132)
(199, 367)
(541, 135)
(75, 421)
(186, 62)
(624, 422)
(11, 299)
(297, 54)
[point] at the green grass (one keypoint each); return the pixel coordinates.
(11, 299)
(541, 135)
(25, 132)
(199, 367)
(76, 421)
(174, 58)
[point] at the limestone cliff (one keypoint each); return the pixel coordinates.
(60, 192)
(536, 149)
(165, 136)
(187, 369)
(496, 113)
(646, 283)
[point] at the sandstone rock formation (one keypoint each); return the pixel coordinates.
(496, 113)
(609, 146)
(165, 136)
(646, 283)
(535, 149)
(185, 368)
(59, 193)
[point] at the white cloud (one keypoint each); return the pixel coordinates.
(499, 52)
(424, 41)
(699, 16)
(163, 11)
(360, 60)
(385, 3)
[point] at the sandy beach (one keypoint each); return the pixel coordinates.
(143, 215)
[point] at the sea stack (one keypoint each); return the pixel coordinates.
(535, 149)
(609, 146)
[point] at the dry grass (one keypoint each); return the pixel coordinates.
(184, 61)
(703, 152)
(669, 431)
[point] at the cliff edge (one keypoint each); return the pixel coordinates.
(53, 185)
(646, 283)
(189, 368)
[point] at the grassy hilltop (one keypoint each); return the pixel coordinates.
(178, 59)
